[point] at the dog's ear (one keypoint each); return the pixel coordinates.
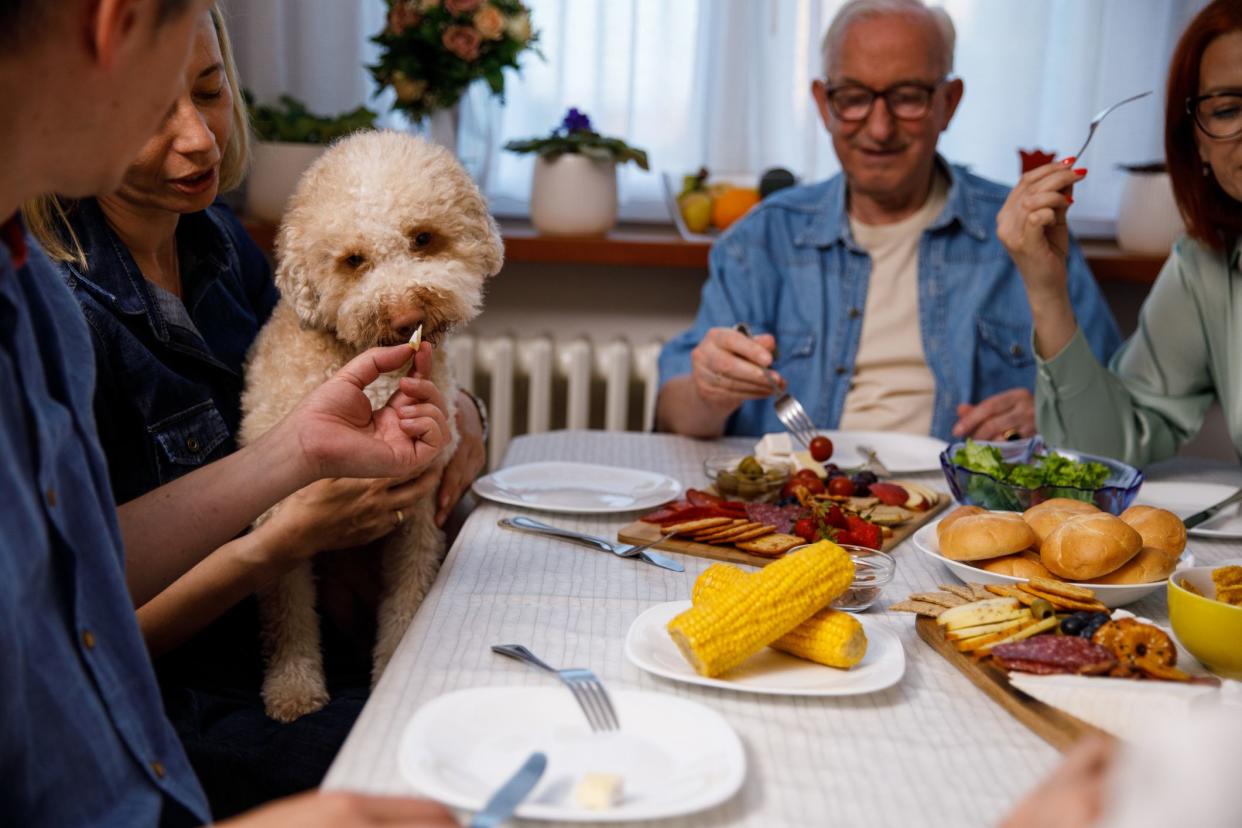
(294, 277)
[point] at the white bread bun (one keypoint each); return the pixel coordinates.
(956, 515)
(1149, 565)
(1021, 565)
(1061, 504)
(1047, 521)
(987, 535)
(1159, 528)
(1089, 545)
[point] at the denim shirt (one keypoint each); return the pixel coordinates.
(792, 269)
(168, 397)
(83, 738)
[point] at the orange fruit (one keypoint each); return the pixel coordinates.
(732, 204)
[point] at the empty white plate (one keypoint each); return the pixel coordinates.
(770, 672)
(900, 453)
(1111, 595)
(577, 488)
(1184, 499)
(675, 756)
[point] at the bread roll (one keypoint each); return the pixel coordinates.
(1159, 528)
(1021, 565)
(987, 535)
(1090, 545)
(1047, 521)
(1063, 504)
(956, 515)
(1149, 565)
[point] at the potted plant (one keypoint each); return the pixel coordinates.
(1148, 220)
(432, 50)
(290, 137)
(574, 190)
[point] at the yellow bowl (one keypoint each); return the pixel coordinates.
(1211, 630)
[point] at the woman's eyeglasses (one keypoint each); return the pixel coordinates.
(852, 102)
(1219, 115)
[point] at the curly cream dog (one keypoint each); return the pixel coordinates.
(385, 232)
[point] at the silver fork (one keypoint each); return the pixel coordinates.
(1095, 122)
(583, 684)
(788, 410)
(642, 551)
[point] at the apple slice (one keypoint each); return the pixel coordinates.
(987, 611)
(960, 633)
(1048, 623)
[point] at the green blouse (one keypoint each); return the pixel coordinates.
(1152, 398)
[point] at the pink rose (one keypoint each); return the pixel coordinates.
(403, 15)
(462, 41)
(490, 23)
(461, 6)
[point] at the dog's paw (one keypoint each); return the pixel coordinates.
(287, 699)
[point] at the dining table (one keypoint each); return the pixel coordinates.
(933, 750)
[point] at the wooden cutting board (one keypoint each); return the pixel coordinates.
(1056, 727)
(639, 532)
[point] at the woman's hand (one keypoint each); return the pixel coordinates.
(728, 368)
(1004, 416)
(1032, 226)
(1072, 796)
(467, 461)
(338, 809)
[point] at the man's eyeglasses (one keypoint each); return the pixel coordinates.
(1219, 115)
(852, 102)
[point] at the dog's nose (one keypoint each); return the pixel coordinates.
(404, 324)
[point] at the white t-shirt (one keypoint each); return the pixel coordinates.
(892, 388)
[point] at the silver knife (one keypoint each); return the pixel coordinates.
(1211, 511)
(506, 800)
(529, 524)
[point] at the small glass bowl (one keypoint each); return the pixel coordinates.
(980, 489)
(873, 569)
(721, 469)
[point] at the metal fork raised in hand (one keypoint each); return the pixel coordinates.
(583, 684)
(788, 410)
(1095, 122)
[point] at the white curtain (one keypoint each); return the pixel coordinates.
(725, 84)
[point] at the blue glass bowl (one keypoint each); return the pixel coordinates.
(979, 489)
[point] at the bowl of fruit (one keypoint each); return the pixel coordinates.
(746, 478)
(703, 205)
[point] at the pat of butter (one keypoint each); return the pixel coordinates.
(804, 460)
(416, 338)
(598, 791)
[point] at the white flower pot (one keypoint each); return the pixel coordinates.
(574, 196)
(274, 173)
(1148, 222)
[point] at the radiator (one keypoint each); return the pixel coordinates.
(536, 384)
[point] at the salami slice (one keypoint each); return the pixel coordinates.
(782, 517)
(1055, 654)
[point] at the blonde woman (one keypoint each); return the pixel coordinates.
(175, 292)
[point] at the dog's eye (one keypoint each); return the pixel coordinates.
(355, 260)
(422, 239)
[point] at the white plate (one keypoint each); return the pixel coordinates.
(649, 646)
(1111, 595)
(577, 488)
(900, 453)
(1184, 499)
(676, 756)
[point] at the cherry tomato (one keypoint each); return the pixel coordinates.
(841, 487)
(821, 448)
(813, 485)
(806, 474)
(805, 529)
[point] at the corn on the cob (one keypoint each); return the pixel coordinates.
(829, 637)
(747, 616)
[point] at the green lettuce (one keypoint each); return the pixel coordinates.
(1050, 469)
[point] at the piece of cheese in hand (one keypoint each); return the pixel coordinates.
(416, 338)
(598, 791)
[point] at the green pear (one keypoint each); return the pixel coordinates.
(696, 211)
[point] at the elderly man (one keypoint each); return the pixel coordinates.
(881, 297)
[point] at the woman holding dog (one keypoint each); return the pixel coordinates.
(175, 293)
(1186, 353)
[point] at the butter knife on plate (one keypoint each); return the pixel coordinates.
(1212, 511)
(506, 800)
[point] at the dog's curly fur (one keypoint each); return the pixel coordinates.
(383, 232)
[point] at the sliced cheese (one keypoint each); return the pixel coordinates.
(599, 791)
(804, 460)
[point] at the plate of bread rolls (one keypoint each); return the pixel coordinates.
(1121, 557)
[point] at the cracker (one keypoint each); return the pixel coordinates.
(980, 591)
(723, 529)
(920, 607)
(1006, 591)
(1061, 602)
(944, 599)
(959, 590)
(690, 527)
(1071, 591)
(771, 546)
(761, 531)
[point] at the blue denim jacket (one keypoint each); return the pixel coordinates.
(83, 738)
(168, 399)
(792, 269)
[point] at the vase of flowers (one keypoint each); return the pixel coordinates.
(574, 189)
(432, 50)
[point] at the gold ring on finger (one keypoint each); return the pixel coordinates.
(1011, 434)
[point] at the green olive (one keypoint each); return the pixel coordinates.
(749, 488)
(1041, 609)
(726, 482)
(750, 467)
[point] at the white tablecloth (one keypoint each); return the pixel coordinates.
(931, 751)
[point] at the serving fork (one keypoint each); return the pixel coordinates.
(788, 410)
(1103, 113)
(585, 686)
(642, 552)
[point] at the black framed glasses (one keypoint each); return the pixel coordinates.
(910, 101)
(1219, 115)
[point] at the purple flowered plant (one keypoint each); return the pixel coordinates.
(576, 136)
(576, 121)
